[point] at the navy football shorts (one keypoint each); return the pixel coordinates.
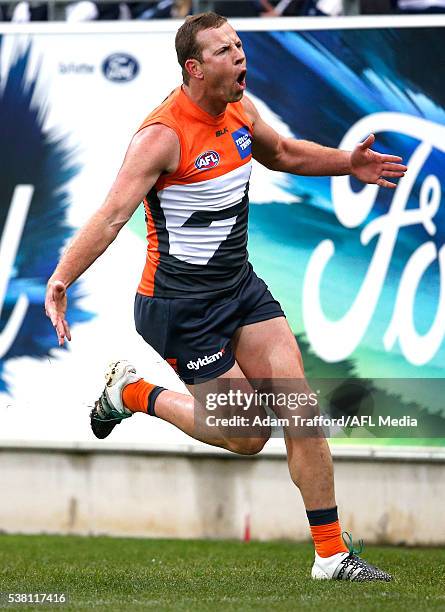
(194, 335)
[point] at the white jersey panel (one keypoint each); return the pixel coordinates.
(197, 244)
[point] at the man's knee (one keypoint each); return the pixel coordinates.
(247, 446)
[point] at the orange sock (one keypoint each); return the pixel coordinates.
(326, 531)
(327, 539)
(135, 395)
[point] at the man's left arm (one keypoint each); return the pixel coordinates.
(311, 159)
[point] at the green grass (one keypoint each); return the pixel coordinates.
(128, 574)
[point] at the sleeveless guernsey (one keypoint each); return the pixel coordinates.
(197, 217)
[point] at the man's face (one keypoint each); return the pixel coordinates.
(223, 63)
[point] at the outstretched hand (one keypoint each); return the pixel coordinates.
(372, 167)
(55, 308)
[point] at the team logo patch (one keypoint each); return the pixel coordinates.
(207, 160)
(243, 142)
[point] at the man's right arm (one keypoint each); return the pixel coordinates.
(153, 151)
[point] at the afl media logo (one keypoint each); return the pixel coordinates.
(120, 67)
(207, 160)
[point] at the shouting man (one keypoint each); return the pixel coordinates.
(199, 302)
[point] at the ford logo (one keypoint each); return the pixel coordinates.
(120, 67)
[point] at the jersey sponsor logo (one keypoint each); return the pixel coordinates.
(221, 132)
(206, 360)
(120, 67)
(207, 160)
(243, 142)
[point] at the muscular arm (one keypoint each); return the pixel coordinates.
(152, 151)
(311, 159)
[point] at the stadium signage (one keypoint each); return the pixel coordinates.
(72, 68)
(9, 244)
(120, 67)
(336, 340)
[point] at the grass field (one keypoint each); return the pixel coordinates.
(128, 574)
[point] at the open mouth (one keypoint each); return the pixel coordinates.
(241, 79)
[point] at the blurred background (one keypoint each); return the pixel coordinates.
(86, 10)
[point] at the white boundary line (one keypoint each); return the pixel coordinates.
(246, 25)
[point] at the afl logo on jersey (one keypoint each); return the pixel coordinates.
(207, 160)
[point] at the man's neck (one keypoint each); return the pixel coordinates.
(204, 101)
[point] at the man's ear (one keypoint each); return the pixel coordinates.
(193, 67)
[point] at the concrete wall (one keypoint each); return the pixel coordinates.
(210, 495)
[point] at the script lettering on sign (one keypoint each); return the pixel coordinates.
(336, 340)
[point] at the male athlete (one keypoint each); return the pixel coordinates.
(199, 301)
